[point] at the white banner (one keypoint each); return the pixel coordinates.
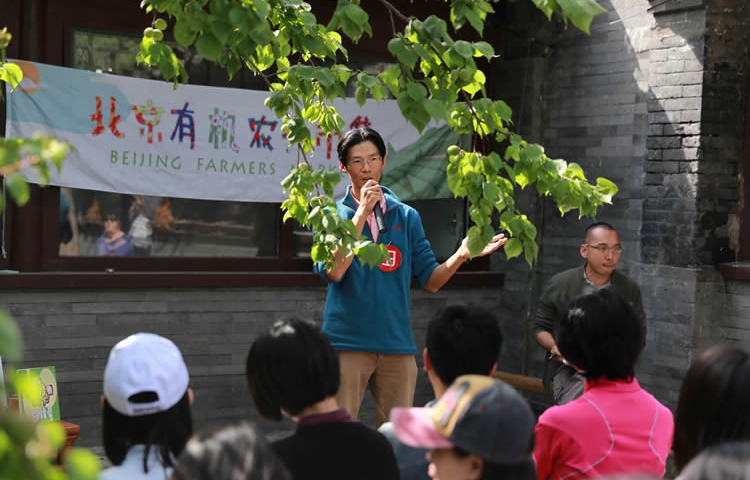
(143, 137)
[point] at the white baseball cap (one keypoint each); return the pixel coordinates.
(145, 362)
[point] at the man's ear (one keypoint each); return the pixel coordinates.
(191, 396)
(101, 400)
(426, 359)
(342, 167)
(493, 369)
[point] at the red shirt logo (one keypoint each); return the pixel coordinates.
(393, 261)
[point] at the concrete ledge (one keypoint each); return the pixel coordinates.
(736, 271)
(139, 280)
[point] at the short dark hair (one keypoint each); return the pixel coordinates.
(724, 461)
(232, 452)
(167, 431)
(463, 340)
(601, 334)
(355, 137)
(507, 471)
(594, 225)
(291, 367)
(713, 403)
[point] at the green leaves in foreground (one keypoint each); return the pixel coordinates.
(28, 449)
(42, 153)
(489, 183)
(580, 12)
(433, 76)
(318, 213)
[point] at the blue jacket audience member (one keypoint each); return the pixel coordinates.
(461, 340)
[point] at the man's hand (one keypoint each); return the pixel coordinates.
(496, 242)
(445, 270)
(554, 354)
(369, 195)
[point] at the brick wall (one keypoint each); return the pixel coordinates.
(653, 99)
(74, 331)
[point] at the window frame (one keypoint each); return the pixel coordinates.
(35, 240)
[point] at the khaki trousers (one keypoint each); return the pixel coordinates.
(392, 379)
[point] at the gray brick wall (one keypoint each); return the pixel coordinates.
(653, 100)
(214, 328)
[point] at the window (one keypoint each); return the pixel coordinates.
(104, 223)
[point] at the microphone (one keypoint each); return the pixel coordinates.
(379, 218)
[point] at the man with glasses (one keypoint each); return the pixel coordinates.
(601, 250)
(367, 315)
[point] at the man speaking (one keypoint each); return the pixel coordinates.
(367, 315)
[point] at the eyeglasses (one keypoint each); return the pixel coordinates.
(605, 249)
(361, 162)
(110, 218)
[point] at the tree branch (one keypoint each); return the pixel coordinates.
(394, 10)
(20, 164)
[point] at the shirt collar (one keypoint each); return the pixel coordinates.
(613, 386)
(591, 284)
(340, 415)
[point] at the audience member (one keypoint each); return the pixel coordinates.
(460, 340)
(713, 403)
(113, 242)
(723, 461)
(146, 418)
(601, 250)
(231, 453)
(616, 427)
(481, 428)
(292, 370)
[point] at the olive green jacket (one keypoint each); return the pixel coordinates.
(566, 286)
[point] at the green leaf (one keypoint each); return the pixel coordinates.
(547, 7)
(476, 21)
(607, 186)
(513, 248)
(367, 80)
(209, 47)
(402, 52)
(221, 29)
(11, 343)
(581, 12)
(372, 254)
(416, 91)
(477, 84)
(160, 23)
(11, 73)
(484, 49)
(18, 188)
(475, 242)
(81, 464)
(390, 78)
(184, 34)
(464, 48)
(436, 109)
(355, 14)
